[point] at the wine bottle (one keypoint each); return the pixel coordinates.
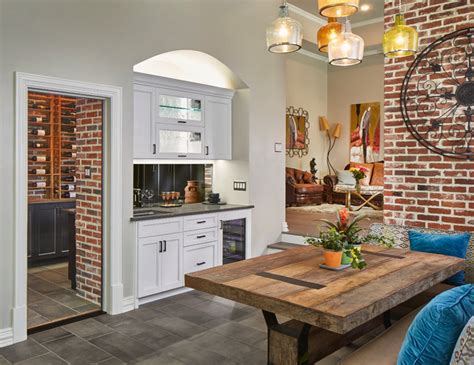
(38, 145)
(39, 132)
(69, 178)
(68, 187)
(69, 194)
(69, 130)
(70, 105)
(38, 119)
(69, 113)
(68, 121)
(39, 184)
(68, 170)
(39, 158)
(70, 154)
(70, 146)
(39, 171)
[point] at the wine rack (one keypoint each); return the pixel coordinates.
(51, 147)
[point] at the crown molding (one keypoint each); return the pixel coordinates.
(315, 19)
(305, 14)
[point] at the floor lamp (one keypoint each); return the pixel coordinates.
(324, 126)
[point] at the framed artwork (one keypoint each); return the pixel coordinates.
(365, 132)
(297, 124)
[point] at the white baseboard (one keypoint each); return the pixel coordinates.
(6, 337)
(166, 294)
(128, 304)
(292, 238)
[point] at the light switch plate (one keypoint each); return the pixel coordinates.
(240, 185)
(87, 172)
(278, 147)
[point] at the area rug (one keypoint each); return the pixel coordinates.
(333, 208)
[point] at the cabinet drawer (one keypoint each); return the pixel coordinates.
(195, 222)
(200, 257)
(200, 236)
(159, 227)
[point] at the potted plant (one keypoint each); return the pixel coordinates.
(359, 173)
(332, 242)
(346, 234)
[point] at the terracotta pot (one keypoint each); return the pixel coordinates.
(332, 258)
(191, 192)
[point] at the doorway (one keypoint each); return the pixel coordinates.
(112, 195)
(65, 164)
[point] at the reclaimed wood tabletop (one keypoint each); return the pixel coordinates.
(292, 284)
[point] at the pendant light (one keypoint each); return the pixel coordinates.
(401, 40)
(338, 8)
(284, 35)
(347, 49)
(327, 33)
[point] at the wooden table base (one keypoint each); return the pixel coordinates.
(364, 201)
(297, 343)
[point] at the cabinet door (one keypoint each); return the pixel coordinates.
(31, 235)
(143, 121)
(179, 108)
(179, 141)
(46, 221)
(218, 128)
(64, 228)
(148, 266)
(171, 266)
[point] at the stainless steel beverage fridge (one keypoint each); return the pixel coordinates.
(233, 240)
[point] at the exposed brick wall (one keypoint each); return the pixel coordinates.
(423, 188)
(89, 199)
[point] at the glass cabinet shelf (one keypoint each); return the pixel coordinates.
(180, 142)
(180, 108)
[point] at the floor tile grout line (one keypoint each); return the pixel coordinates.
(49, 351)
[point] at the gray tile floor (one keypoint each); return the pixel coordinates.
(192, 328)
(50, 296)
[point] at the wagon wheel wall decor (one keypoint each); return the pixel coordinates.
(297, 125)
(437, 97)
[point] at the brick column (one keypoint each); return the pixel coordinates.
(423, 188)
(89, 199)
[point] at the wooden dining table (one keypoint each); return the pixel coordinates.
(327, 309)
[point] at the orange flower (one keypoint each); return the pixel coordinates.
(343, 216)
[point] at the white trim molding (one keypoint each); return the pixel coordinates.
(112, 259)
(307, 15)
(128, 304)
(6, 337)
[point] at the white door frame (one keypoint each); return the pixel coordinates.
(112, 204)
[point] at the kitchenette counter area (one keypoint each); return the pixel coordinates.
(157, 212)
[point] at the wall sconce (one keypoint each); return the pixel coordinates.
(324, 126)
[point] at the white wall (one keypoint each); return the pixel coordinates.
(307, 87)
(351, 85)
(100, 41)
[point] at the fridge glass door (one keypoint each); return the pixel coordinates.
(233, 240)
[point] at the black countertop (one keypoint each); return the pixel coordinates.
(141, 214)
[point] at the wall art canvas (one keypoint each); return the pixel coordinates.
(365, 132)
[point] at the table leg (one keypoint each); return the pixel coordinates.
(387, 322)
(348, 200)
(286, 345)
(367, 202)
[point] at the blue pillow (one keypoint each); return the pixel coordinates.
(435, 330)
(444, 244)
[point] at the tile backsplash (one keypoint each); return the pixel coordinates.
(169, 177)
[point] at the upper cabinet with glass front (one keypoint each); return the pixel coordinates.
(175, 107)
(176, 119)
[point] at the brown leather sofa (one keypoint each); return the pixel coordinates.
(374, 178)
(301, 188)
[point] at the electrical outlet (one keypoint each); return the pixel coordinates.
(87, 172)
(240, 185)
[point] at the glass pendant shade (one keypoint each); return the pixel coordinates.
(338, 8)
(401, 40)
(284, 35)
(347, 49)
(327, 33)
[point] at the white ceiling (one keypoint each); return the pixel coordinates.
(375, 11)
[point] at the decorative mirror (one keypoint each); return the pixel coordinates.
(437, 97)
(297, 125)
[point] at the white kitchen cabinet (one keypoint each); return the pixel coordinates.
(160, 264)
(218, 128)
(200, 257)
(143, 121)
(177, 107)
(176, 119)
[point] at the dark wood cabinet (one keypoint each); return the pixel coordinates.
(48, 231)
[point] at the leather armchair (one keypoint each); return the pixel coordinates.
(301, 188)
